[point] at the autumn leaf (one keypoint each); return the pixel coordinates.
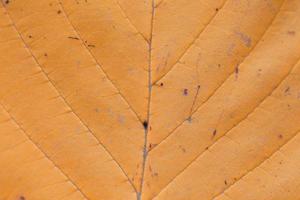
(149, 99)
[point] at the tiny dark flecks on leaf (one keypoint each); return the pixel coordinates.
(287, 90)
(73, 38)
(22, 198)
(214, 132)
(291, 33)
(236, 71)
(145, 124)
(59, 11)
(185, 92)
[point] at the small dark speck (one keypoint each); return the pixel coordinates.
(45, 54)
(91, 45)
(287, 90)
(152, 145)
(236, 69)
(225, 182)
(280, 136)
(22, 198)
(189, 119)
(29, 36)
(6, 2)
(185, 92)
(215, 133)
(217, 9)
(59, 11)
(161, 84)
(145, 124)
(182, 149)
(219, 65)
(291, 33)
(73, 38)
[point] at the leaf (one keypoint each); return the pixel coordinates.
(142, 99)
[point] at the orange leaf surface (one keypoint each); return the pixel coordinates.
(149, 100)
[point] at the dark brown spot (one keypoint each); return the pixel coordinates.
(59, 11)
(29, 36)
(145, 124)
(189, 119)
(6, 1)
(236, 70)
(161, 84)
(215, 133)
(280, 136)
(91, 45)
(225, 182)
(73, 38)
(185, 92)
(217, 9)
(45, 54)
(22, 198)
(287, 90)
(152, 145)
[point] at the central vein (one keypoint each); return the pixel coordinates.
(147, 122)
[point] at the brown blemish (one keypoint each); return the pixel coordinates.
(59, 11)
(214, 132)
(217, 9)
(280, 136)
(291, 33)
(30, 36)
(152, 146)
(182, 149)
(236, 71)
(225, 182)
(22, 198)
(287, 90)
(73, 38)
(45, 54)
(6, 1)
(91, 45)
(145, 124)
(185, 92)
(161, 84)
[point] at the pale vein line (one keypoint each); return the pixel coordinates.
(221, 85)
(98, 64)
(145, 152)
(65, 101)
(130, 22)
(44, 153)
(225, 134)
(257, 166)
(192, 42)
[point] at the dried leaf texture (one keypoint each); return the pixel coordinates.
(149, 99)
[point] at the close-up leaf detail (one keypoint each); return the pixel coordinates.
(149, 100)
